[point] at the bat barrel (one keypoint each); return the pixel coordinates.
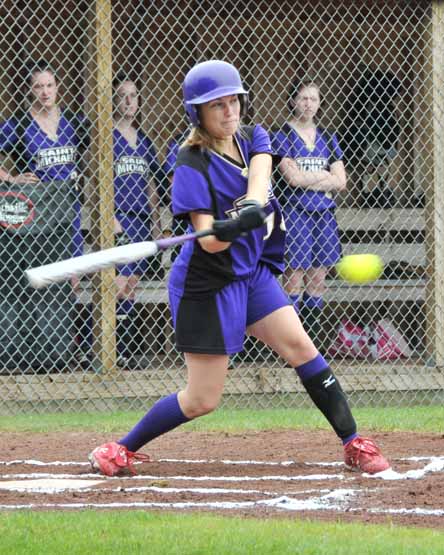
(64, 270)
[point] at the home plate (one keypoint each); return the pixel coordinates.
(47, 485)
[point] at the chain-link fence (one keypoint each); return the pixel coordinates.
(91, 121)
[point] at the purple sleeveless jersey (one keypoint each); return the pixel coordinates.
(211, 183)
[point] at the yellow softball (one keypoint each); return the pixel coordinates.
(360, 268)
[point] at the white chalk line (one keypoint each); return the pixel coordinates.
(302, 477)
(33, 462)
(436, 464)
(333, 500)
(157, 489)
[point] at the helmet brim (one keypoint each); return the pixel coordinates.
(217, 93)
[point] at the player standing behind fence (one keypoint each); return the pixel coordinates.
(39, 217)
(224, 285)
(137, 209)
(310, 172)
(137, 216)
(178, 224)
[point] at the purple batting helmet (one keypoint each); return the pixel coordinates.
(210, 80)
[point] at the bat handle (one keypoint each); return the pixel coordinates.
(171, 241)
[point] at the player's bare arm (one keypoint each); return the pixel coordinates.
(296, 177)
(335, 181)
(259, 174)
(19, 179)
(210, 243)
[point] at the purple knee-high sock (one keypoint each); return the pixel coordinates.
(312, 367)
(163, 416)
(310, 301)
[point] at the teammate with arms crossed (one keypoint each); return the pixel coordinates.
(224, 285)
(311, 171)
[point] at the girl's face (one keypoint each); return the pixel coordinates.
(306, 103)
(220, 117)
(44, 89)
(127, 100)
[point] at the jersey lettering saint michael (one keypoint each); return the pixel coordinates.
(50, 158)
(133, 168)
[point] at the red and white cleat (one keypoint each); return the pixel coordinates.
(112, 459)
(362, 454)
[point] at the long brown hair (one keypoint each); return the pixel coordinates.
(200, 138)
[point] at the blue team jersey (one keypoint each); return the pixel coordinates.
(172, 151)
(133, 168)
(208, 182)
(50, 159)
(287, 143)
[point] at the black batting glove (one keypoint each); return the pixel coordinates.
(251, 216)
(227, 230)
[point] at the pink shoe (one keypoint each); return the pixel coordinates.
(362, 454)
(111, 459)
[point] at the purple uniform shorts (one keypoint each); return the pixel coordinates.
(312, 239)
(216, 324)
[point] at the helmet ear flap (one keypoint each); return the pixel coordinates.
(191, 111)
(243, 99)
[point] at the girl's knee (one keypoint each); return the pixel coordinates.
(301, 351)
(194, 407)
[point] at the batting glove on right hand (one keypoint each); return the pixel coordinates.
(250, 217)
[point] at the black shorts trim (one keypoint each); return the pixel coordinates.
(198, 327)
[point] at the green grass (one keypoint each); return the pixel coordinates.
(415, 419)
(139, 532)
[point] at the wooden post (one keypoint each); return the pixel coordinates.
(438, 177)
(435, 205)
(101, 186)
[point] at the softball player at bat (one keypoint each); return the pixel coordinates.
(311, 171)
(224, 285)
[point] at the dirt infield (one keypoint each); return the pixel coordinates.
(259, 474)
